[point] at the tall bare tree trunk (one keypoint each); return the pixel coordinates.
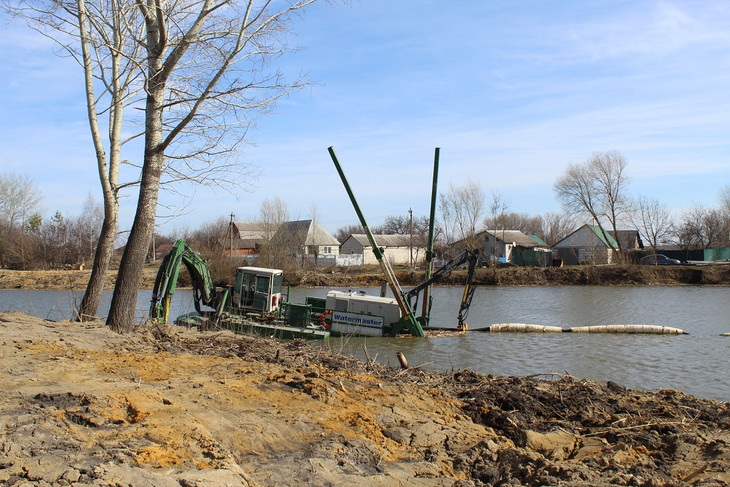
(108, 175)
(124, 299)
(104, 249)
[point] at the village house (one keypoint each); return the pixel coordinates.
(508, 246)
(303, 239)
(587, 245)
(246, 238)
(398, 249)
(307, 241)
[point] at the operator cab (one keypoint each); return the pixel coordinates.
(257, 289)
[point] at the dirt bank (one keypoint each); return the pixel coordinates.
(64, 279)
(169, 406)
(606, 275)
(610, 275)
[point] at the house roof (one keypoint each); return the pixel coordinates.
(607, 240)
(537, 239)
(516, 237)
(250, 235)
(254, 230)
(383, 240)
(249, 226)
(306, 232)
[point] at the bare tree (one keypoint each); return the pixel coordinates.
(103, 37)
(608, 170)
(654, 221)
(197, 74)
(498, 206)
(725, 210)
(88, 227)
(54, 240)
(516, 221)
(402, 225)
(211, 236)
(19, 198)
(343, 233)
(555, 227)
(703, 228)
(597, 188)
(272, 214)
(19, 212)
(462, 208)
(725, 200)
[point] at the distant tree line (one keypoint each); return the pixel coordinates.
(594, 192)
(30, 241)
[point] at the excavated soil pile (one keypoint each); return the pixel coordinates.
(169, 406)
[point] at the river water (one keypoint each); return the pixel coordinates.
(696, 363)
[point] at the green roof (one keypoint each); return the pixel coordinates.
(538, 240)
(608, 243)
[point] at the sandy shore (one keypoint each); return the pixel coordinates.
(169, 406)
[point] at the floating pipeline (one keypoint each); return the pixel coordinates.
(645, 329)
(628, 329)
(523, 328)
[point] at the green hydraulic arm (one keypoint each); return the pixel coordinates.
(204, 289)
(408, 318)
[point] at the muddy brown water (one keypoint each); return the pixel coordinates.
(695, 363)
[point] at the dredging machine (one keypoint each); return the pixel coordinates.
(256, 303)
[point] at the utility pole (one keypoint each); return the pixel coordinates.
(230, 228)
(410, 230)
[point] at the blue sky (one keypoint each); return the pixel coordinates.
(512, 92)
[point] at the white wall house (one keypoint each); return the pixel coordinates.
(398, 249)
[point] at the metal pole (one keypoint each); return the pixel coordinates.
(431, 225)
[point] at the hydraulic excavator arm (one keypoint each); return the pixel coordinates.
(471, 259)
(204, 289)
